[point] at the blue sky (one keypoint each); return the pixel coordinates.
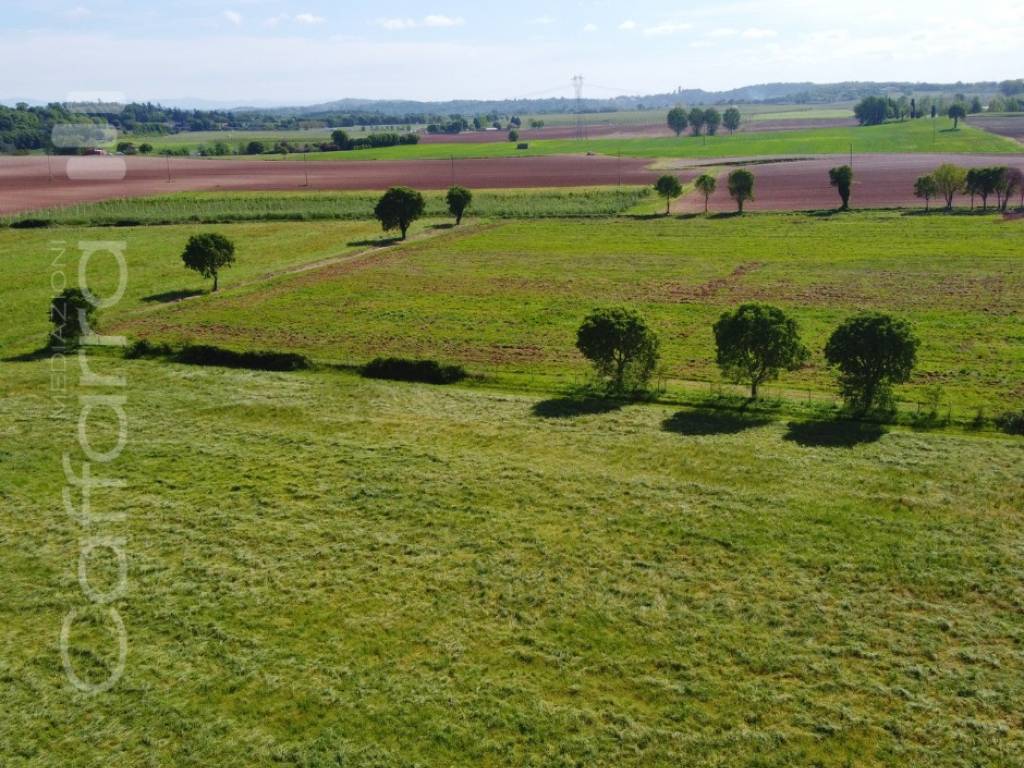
(284, 52)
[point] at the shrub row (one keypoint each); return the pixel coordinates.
(202, 354)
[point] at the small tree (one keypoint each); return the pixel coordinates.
(950, 180)
(842, 179)
(254, 148)
(926, 188)
(145, 148)
(621, 346)
(731, 119)
(741, 187)
(756, 342)
(207, 254)
(677, 120)
(712, 119)
(398, 208)
(956, 114)
(341, 140)
(513, 135)
(872, 352)
(458, 199)
(1012, 182)
(71, 315)
(696, 118)
(707, 184)
(668, 187)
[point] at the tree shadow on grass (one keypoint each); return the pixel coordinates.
(726, 215)
(700, 423)
(30, 357)
(834, 434)
(172, 296)
(377, 243)
(570, 407)
(442, 226)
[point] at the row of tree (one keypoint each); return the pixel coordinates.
(948, 180)
(740, 184)
(705, 121)
(754, 344)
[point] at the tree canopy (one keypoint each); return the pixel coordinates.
(458, 199)
(398, 208)
(756, 342)
(741, 187)
(668, 186)
(842, 179)
(677, 120)
(871, 351)
(621, 346)
(207, 254)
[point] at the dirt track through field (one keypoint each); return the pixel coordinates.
(25, 182)
(880, 181)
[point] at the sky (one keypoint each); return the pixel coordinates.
(282, 52)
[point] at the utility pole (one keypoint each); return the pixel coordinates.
(577, 84)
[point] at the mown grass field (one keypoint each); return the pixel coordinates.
(910, 136)
(325, 571)
(505, 298)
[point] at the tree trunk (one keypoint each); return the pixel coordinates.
(753, 389)
(214, 282)
(404, 228)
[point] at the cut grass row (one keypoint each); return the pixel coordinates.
(369, 574)
(218, 207)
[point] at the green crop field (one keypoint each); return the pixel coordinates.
(910, 136)
(218, 207)
(324, 570)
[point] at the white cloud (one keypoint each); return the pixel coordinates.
(627, 25)
(443, 21)
(542, 21)
(590, 27)
(234, 17)
(396, 23)
(309, 18)
(667, 28)
(758, 34)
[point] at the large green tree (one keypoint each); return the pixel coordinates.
(458, 199)
(621, 346)
(712, 119)
(842, 179)
(731, 119)
(677, 120)
(706, 183)
(756, 342)
(741, 187)
(208, 254)
(956, 113)
(926, 188)
(668, 186)
(398, 208)
(949, 180)
(696, 118)
(871, 351)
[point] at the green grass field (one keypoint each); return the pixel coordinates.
(910, 136)
(325, 570)
(506, 298)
